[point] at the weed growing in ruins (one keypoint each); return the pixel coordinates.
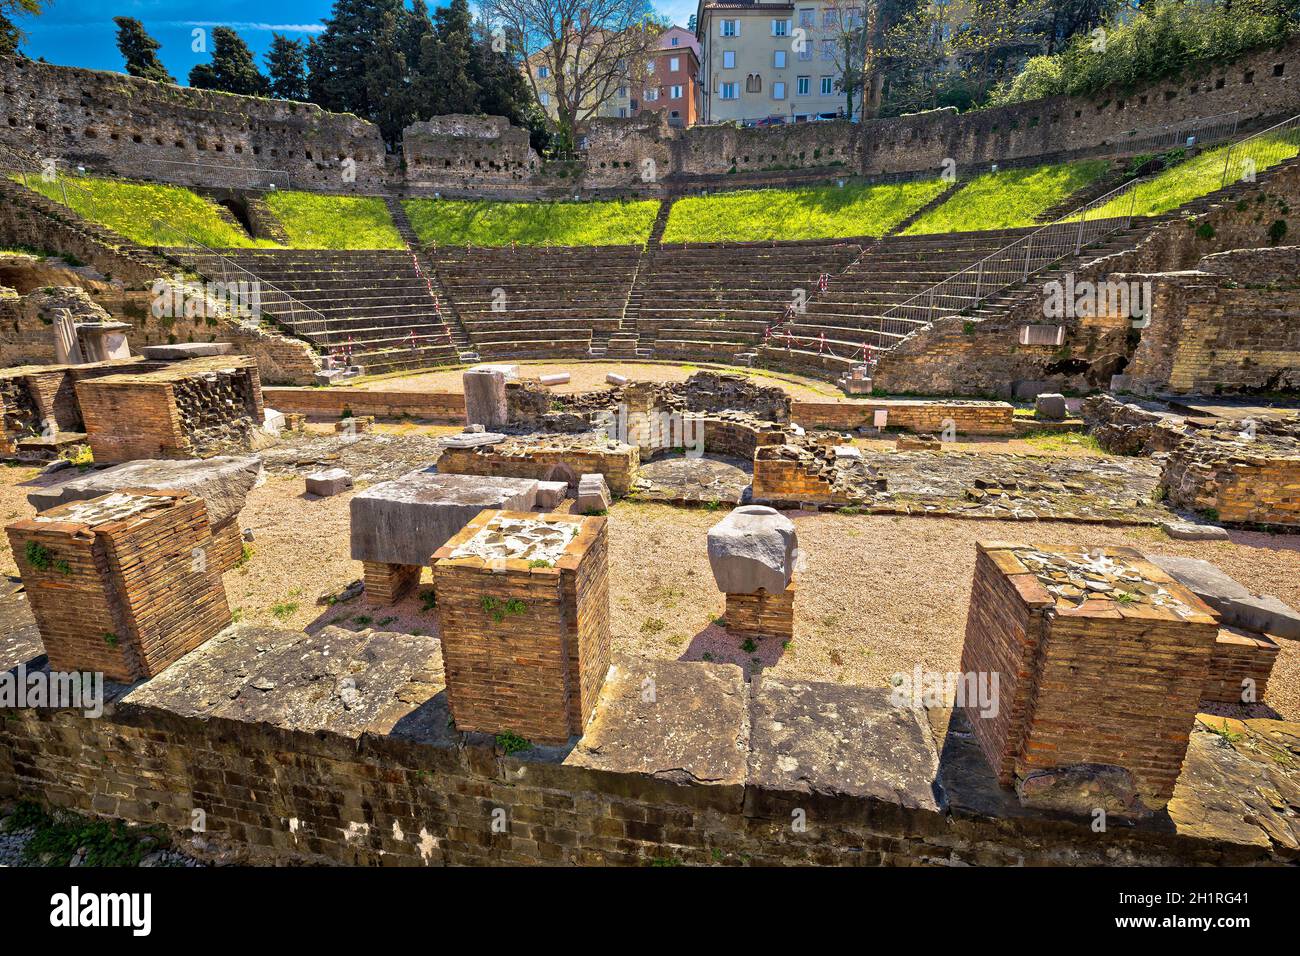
(652, 625)
(748, 646)
(236, 615)
(58, 837)
(63, 567)
(713, 505)
(512, 743)
(245, 555)
(363, 620)
(428, 601)
(385, 621)
(1124, 597)
(540, 563)
(284, 610)
(81, 457)
(38, 556)
(498, 610)
(111, 639)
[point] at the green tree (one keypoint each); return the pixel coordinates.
(446, 82)
(10, 35)
(345, 51)
(232, 69)
(502, 89)
(386, 81)
(286, 65)
(140, 51)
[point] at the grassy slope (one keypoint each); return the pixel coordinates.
(1193, 178)
(815, 213)
(315, 221)
(481, 223)
(1008, 198)
(147, 213)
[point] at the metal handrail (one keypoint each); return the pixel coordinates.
(970, 287)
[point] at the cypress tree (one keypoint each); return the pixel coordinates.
(232, 69)
(140, 51)
(286, 64)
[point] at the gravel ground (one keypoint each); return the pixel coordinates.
(878, 594)
(587, 376)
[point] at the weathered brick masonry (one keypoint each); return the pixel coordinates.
(192, 408)
(443, 408)
(969, 418)
(118, 584)
(1092, 681)
(706, 769)
(548, 458)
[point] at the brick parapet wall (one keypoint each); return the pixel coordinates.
(522, 459)
(691, 776)
(444, 408)
(970, 418)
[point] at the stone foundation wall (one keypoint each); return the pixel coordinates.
(1231, 326)
(546, 459)
(1240, 667)
(701, 769)
(442, 408)
(111, 122)
(1236, 482)
(970, 418)
(131, 127)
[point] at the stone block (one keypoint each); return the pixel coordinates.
(222, 482)
(557, 378)
(355, 425)
(405, 520)
(273, 422)
(1081, 789)
(550, 494)
(1191, 531)
(1050, 407)
(332, 481)
(613, 378)
(485, 397)
(523, 613)
(753, 549)
(593, 494)
(1235, 604)
(185, 350)
(843, 754)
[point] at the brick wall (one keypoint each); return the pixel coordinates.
(697, 772)
(970, 418)
(444, 408)
(521, 458)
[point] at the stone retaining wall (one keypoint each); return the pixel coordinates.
(681, 763)
(548, 458)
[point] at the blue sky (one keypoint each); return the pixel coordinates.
(81, 32)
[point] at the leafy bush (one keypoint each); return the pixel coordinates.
(1166, 38)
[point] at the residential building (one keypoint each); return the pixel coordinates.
(672, 78)
(771, 62)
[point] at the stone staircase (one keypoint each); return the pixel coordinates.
(627, 342)
(459, 337)
(369, 308)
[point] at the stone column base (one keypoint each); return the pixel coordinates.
(389, 583)
(762, 614)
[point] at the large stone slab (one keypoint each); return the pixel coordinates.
(753, 549)
(1235, 603)
(186, 350)
(223, 483)
(671, 726)
(841, 754)
(485, 397)
(405, 520)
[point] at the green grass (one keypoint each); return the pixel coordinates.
(481, 223)
(146, 213)
(315, 221)
(815, 213)
(1195, 177)
(1009, 198)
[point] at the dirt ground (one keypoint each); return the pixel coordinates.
(588, 376)
(877, 595)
